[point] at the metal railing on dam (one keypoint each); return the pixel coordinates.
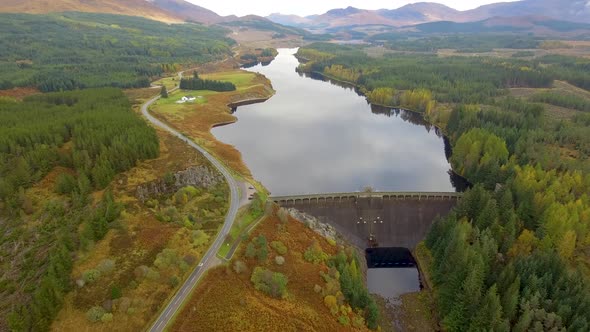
(386, 195)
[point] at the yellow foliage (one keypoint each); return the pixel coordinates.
(567, 245)
(342, 73)
(524, 244)
(330, 301)
(382, 96)
(419, 100)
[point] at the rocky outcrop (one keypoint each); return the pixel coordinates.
(196, 176)
(323, 229)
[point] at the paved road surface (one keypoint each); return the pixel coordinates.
(185, 290)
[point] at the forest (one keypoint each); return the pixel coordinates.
(471, 42)
(70, 51)
(451, 79)
(513, 255)
(91, 136)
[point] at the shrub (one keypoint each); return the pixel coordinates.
(108, 317)
(95, 314)
(279, 246)
(141, 271)
(153, 274)
(240, 267)
(258, 248)
(271, 283)
(65, 184)
(250, 250)
(358, 322)
(344, 320)
(173, 281)
(166, 258)
(91, 276)
(330, 301)
(317, 288)
(280, 260)
(262, 254)
(200, 238)
(116, 292)
(106, 266)
(283, 215)
(315, 254)
(269, 208)
(169, 178)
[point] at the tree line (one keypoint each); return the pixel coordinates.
(197, 83)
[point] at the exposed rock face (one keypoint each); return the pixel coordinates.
(323, 229)
(197, 176)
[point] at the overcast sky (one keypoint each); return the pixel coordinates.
(307, 7)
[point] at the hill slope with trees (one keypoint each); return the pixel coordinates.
(80, 50)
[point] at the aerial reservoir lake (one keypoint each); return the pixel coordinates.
(313, 136)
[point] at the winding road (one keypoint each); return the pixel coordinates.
(185, 290)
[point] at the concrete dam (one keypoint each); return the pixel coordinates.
(376, 219)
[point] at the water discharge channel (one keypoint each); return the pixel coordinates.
(314, 136)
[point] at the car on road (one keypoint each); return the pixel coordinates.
(200, 264)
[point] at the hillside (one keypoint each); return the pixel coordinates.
(141, 8)
(304, 291)
(188, 11)
(526, 24)
(567, 10)
(81, 50)
(424, 12)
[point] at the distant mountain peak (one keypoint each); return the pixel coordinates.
(343, 11)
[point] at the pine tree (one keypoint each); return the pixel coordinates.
(164, 92)
(510, 299)
(489, 315)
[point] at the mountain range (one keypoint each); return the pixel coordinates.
(425, 12)
(545, 16)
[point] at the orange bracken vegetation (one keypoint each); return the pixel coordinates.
(227, 301)
(18, 93)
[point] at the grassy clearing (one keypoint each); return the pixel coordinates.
(553, 111)
(176, 96)
(242, 79)
(169, 82)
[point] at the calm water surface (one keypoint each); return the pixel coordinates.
(391, 283)
(315, 137)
